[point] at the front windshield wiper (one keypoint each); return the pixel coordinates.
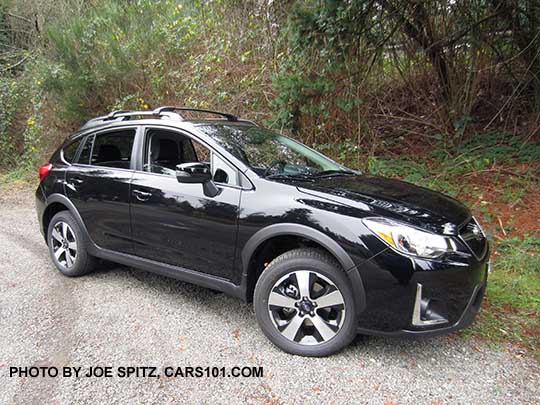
(338, 172)
(311, 176)
(289, 176)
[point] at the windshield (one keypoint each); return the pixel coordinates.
(270, 154)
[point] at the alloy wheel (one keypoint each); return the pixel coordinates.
(306, 307)
(64, 244)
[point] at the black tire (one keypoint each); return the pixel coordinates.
(80, 262)
(317, 263)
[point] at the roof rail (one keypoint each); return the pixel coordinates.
(165, 111)
(112, 114)
(160, 110)
(125, 114)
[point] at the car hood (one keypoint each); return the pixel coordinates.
(382, 196)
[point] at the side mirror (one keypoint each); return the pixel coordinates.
(195, 172)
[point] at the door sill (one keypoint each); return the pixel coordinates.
(168, 270)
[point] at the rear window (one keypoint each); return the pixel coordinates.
(86, 150)
(70, 151)
(111, 149)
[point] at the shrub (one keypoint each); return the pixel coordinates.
(116, 49)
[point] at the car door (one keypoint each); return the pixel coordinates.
(177, 223)
(98, 184)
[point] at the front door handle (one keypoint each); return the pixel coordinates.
(142, 195)
(77, 180)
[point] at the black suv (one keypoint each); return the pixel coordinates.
(323, 251)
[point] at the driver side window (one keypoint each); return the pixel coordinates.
(164, 150)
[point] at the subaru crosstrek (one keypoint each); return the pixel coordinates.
(324, 252)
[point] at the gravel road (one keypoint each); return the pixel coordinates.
(123, 317)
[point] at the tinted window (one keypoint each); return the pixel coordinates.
(86, 151)
(70, 150)
(166, 149)
(270, 153)
(113, 149)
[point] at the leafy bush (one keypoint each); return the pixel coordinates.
(113, 50)
(14, 150)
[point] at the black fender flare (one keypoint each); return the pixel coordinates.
(314, 235)
(62, 199)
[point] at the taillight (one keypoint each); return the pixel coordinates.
(44, 170)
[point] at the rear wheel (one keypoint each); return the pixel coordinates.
(67, 246)
(304, 303)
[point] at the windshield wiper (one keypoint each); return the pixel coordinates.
(339, 172)
(311, 176)
(289, 176)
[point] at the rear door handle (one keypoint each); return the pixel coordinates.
(73, 182)
(142, 195)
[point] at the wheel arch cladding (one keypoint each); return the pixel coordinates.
(56, 203)
(305, 232)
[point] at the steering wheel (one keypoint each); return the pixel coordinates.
(280, 163)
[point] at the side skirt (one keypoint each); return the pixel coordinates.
(176, 272)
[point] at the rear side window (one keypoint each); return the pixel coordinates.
(86, 150)
(112, 149)
(70, 151)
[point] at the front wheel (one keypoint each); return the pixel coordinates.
(304, 303)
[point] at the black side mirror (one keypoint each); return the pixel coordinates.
(195, 172)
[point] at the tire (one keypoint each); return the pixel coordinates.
(318, 326)
(65, 234)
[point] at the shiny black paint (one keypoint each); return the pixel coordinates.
(390, 281)
(153, 222)
(177, 224)
(392, 198)
(102, 198)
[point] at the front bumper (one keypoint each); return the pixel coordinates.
(466, 319)
(413, 297)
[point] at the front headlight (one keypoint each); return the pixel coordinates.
(409, 240)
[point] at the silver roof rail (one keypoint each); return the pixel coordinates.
(165, 111)
(229, 117)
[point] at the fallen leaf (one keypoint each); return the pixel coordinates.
(181, 347)
(236, 333)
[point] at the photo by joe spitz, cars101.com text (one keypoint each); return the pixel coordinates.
(321, 251)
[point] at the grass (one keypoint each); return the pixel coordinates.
(511, 311)
(19, 178)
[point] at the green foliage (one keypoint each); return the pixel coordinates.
(297, 95)
(515, 281)
(10, 96)
(113, 50)
(513, 294)
(14, 151)
(443, 170)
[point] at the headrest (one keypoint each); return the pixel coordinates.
(109, 153)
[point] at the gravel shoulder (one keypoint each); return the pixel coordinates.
(124, 317)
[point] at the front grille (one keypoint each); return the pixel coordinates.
(472, 235)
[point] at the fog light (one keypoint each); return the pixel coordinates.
(424, 314)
